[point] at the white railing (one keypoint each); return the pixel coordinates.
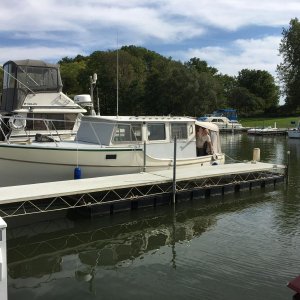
(3, 261)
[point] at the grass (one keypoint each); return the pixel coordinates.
(264, 122)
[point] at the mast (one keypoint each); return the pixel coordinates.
(117, 75)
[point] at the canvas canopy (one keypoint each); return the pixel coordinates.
(208, 125)
(214, 135)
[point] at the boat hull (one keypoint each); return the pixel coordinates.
(27, 165)
(294, 134)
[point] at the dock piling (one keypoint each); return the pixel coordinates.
(174, 170)
(144, 166)
(287, 167)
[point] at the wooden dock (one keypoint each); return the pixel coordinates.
(130, 191)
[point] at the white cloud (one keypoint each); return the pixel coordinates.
(42, 53)
(51, 29)
(165, 20)
(259, 54)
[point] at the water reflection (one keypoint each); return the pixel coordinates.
(88, 244)
(273, 148)
(67, 248)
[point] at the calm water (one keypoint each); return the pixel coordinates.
(240, 246)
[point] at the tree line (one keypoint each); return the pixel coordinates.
(151, 84)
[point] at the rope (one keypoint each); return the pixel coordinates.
(234, 160)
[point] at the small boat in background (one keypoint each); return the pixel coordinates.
(267, 131)
(222, 122)
(294, 133)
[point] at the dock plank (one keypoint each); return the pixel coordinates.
(37, 191)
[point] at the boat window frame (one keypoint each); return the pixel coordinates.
(149, 131)
(185, 124)
(36, 121)
(38, 78)
(134, 138)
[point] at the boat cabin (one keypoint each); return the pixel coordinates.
(32, 90)
(157, 132)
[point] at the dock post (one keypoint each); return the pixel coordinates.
(144, 167)
(256, 154)
(287, 167)
(3, 261)
(174, 170)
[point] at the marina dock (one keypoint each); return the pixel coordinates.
(125, 192)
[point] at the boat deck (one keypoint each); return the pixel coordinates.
(27, 199)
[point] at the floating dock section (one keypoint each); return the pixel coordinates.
(124, 192)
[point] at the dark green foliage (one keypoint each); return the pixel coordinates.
(262, 85)
(289, 70)
(245, 101)
(151, 84)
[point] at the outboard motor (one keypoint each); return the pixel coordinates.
(85, 101)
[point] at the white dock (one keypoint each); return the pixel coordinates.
(72, 187)
(133, 185)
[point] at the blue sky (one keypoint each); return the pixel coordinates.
(229, 34)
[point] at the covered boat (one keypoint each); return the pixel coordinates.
(31, 93)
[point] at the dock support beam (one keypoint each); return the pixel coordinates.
(174, 170)
(3, 261)
(287, 167)
(145, 157)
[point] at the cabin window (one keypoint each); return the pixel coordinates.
(218, 120)
(156, 131)
(38, 78)
(55, 121)
(179, 130)
(137, 131)
(128, 133)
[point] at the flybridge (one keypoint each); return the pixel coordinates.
(32, 90)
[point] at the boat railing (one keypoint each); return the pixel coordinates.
(25, 128)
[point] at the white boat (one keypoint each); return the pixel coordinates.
(32, 92)
(294, 133)
(108, 145)
(269, 130)
(222, 122)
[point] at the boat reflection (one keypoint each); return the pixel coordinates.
(55, 249)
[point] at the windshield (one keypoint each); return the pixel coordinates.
(38, 78)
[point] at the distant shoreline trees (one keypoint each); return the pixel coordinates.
(151, 84)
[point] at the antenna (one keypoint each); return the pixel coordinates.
(117, 74)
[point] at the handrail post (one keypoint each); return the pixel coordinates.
(144, 165)
(174, 170)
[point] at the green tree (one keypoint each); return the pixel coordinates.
(131, 78)
(210, 88)
(70, 73)
(289, 70)
(201, 66)
(244, 101)
(261, 84)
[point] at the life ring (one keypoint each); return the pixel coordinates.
(17, 122)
